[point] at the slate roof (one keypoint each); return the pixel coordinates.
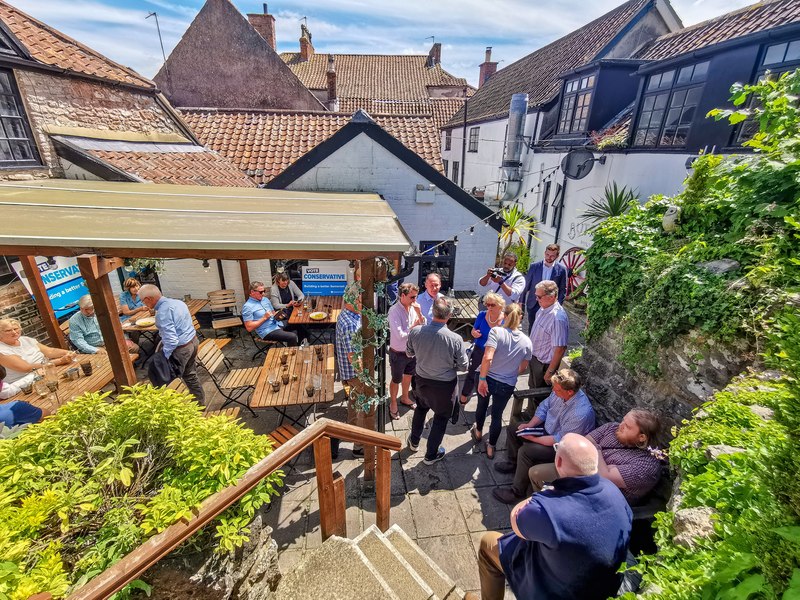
(264, 143)
(538, 73)
(748, 20)
(385, 77)
(51, 47)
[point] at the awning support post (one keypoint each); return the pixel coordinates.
(43, 302)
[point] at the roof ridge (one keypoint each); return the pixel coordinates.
(322, 113)
(65, 38)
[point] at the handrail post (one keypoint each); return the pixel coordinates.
(383, 487)
(326, 490)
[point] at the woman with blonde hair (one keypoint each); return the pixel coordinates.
(20, 354)
(506, 356)
(486, 319)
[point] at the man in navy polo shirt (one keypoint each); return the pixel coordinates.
(567, 542)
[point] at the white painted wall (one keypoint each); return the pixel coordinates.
(363, 165)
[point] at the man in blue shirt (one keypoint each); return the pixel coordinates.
(84, 330)
(567, 542)
(433, 283)
(178, 338)
(258, 315)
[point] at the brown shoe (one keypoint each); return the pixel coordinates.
(507, 495)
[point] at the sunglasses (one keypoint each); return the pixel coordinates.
(413, 297)
(541, 296)
(259, 291)
(490, 305)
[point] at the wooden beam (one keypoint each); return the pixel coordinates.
(367, 270)
(383, 489)
(340, 505)
(105, 307)
(328, 513)
(245, 277)
(43, 301)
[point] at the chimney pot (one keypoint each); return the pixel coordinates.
(330, 76)
(434, 56)
(487, 68)
(488, 53)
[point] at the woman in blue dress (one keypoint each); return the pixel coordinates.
(486, 319)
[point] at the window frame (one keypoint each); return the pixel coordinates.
(545, 201)
(22, 123)
(474, 138)
(672, 94)
(576, 103)
(445, 165)
(455, 168)
(448, 139)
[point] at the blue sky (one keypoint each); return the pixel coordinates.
(514, 28)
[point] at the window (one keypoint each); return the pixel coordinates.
(669, 105)
(16, 142)
(574, 115)
(557, 205)
(438, 258)
(455, 172)
(545, 199)
(445, 165)
(448, 139)
(778, 54)
(474, 134)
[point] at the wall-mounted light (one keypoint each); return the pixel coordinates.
(206, 266)
(455, 241)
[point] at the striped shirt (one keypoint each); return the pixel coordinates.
(85, 333)
(550, 330)
(346, 325)
(561, 417)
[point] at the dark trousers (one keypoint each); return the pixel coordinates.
(281, 335)
(185, 359)
(500, 393)
(536, 371)
(475, 360)
(525, 454)
(532, 315)
(438, 397)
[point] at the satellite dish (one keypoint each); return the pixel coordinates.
(577, 163)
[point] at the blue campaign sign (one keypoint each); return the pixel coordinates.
(324, 281)
(62, 280)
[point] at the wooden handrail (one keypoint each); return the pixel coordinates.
(157, 547)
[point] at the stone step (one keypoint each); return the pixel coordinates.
(397, 572)
(444, 587)
(337, 569)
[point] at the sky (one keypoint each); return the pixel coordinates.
(121, 30)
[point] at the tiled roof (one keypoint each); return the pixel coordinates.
(441, 109)
(51, 47)
(265, 143)
(538, 73)
(180, 168)
(387, 77)
(750, 19)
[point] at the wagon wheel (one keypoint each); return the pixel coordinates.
(574, 261)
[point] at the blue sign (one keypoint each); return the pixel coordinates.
(62, 280)
(324, 281)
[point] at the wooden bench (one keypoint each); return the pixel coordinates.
(234, 384)
(279, 437)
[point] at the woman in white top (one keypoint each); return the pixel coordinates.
(20, 354)
(506, 355)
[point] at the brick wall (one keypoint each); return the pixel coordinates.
(16, 303)
(71, 102)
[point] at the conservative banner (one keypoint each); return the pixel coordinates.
(325, 279)
(62, 280)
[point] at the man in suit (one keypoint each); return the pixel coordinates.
(547, 269)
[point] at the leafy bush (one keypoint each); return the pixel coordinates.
(82, 489)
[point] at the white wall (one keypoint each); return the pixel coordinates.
(363, 165)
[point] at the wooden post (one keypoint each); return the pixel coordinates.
(95, 271)
(43, 302)
(368, 302)
(245, 277)
(339, 505)
(383, 489)
(326, 490)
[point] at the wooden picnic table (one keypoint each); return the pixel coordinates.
(195, 305)
(466, 303)
(332, 305)
(70, 389)
(294, 394)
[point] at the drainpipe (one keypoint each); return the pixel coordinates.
(464, 141)
(561, 208)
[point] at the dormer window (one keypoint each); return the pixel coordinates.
(16, 141)
(669, 104)
(575, 104)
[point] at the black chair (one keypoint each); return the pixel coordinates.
(644, 512)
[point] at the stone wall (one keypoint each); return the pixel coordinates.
(17, 303)
(692, 371)
(63, 101)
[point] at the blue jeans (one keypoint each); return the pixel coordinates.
(500, 393)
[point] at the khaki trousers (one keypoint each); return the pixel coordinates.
(493, 580)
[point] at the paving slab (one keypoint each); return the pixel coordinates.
(455, 556)
(437, 514)
(469, 471)
(400, 513)
(422, 479)
(482, 511)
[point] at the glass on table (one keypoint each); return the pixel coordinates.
(41, 389)
(316, 381)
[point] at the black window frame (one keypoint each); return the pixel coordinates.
(474, 138)
(668, 95)
(445, 164)
(455, 168)
(557, 204)
(448, 139)
(442, 263)
(576, 102)
(545, 201)
(20, 134)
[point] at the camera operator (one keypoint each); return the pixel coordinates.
(505, 280)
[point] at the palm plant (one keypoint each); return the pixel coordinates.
(615, 201)
(517, 225)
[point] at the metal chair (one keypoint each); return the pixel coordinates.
(223, 306)
(234, 384)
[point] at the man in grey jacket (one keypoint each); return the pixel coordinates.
(440, 355)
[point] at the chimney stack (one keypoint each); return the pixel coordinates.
(264, 24)
(306, 48)
(434, 56)
(488, 68)
(330, 75)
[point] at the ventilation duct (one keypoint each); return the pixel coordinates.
(512, 156)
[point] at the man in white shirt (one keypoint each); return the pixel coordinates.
(433, 283)
(510, 284)
(403, 317)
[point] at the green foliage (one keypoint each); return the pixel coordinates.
(85, 487)
(614, 202)
(523, 254)
(517, 226)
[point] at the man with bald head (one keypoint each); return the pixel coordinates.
(568, 541)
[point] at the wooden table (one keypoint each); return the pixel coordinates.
(194, 306)
(332, 305)
(294, 394)
(466, 303)
(69, 389)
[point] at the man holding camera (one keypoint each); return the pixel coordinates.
(505, 280)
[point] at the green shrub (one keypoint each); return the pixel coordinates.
(82, 489)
